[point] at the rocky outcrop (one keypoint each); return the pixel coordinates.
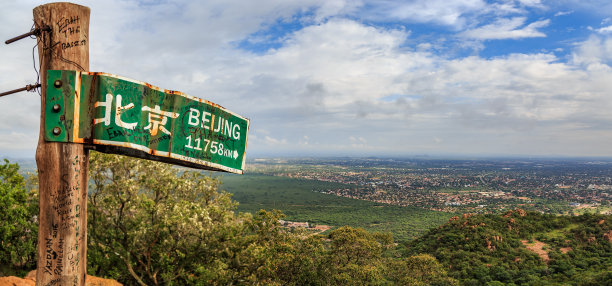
(520, 212)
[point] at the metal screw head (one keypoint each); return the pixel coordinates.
(57, 107)
(57, 131)
(57, 83)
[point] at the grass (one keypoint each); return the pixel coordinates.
(560, 233)
(593, 210)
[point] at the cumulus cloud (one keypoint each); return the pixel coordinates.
(517, 93)
(339, 82)
(595, 52)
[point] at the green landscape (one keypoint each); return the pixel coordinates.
(153, 224)
(299, 200)
(522, 248)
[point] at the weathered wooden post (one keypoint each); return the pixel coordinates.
(62, 167)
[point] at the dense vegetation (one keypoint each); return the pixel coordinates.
(482, 249)
(151, 224)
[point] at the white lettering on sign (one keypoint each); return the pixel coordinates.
(118, 110)
(215, 148)
(107, 110)
(107, 104)
(158, 119)
(223, 125)
(194, 115)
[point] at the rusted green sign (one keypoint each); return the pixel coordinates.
(118, 115)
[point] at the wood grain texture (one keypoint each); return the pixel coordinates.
(62, 167)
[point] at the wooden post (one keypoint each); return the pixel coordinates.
(62, 167)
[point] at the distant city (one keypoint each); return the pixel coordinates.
(558, 186)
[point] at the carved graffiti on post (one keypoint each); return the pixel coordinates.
(66, 205)
(62, 167)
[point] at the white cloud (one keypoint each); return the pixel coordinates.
(516, 94)
(449, 13)
(338, 78)
(563, 13)
(507, 28)
(605, 30)
(595, 51)
(531, 3)
(592, 7)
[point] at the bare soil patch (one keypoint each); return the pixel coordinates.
(538, 248)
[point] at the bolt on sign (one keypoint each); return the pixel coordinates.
(118, 115)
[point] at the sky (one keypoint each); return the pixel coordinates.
(354, 78)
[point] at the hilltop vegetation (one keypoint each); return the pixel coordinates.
(522, 248)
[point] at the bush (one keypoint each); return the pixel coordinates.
(18, 222)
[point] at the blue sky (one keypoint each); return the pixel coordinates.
(361, 78)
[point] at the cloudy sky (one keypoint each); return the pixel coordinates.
(342, 77)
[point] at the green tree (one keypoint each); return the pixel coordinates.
(356, 257)
(151, 224)
(265, 253)
(18, 225)
(422, 269)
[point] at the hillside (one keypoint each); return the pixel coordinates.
(524, 248)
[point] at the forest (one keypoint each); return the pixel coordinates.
(152, 224)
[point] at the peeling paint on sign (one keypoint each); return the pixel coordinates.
(117, 115)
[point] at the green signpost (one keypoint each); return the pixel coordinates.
(118, 115)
